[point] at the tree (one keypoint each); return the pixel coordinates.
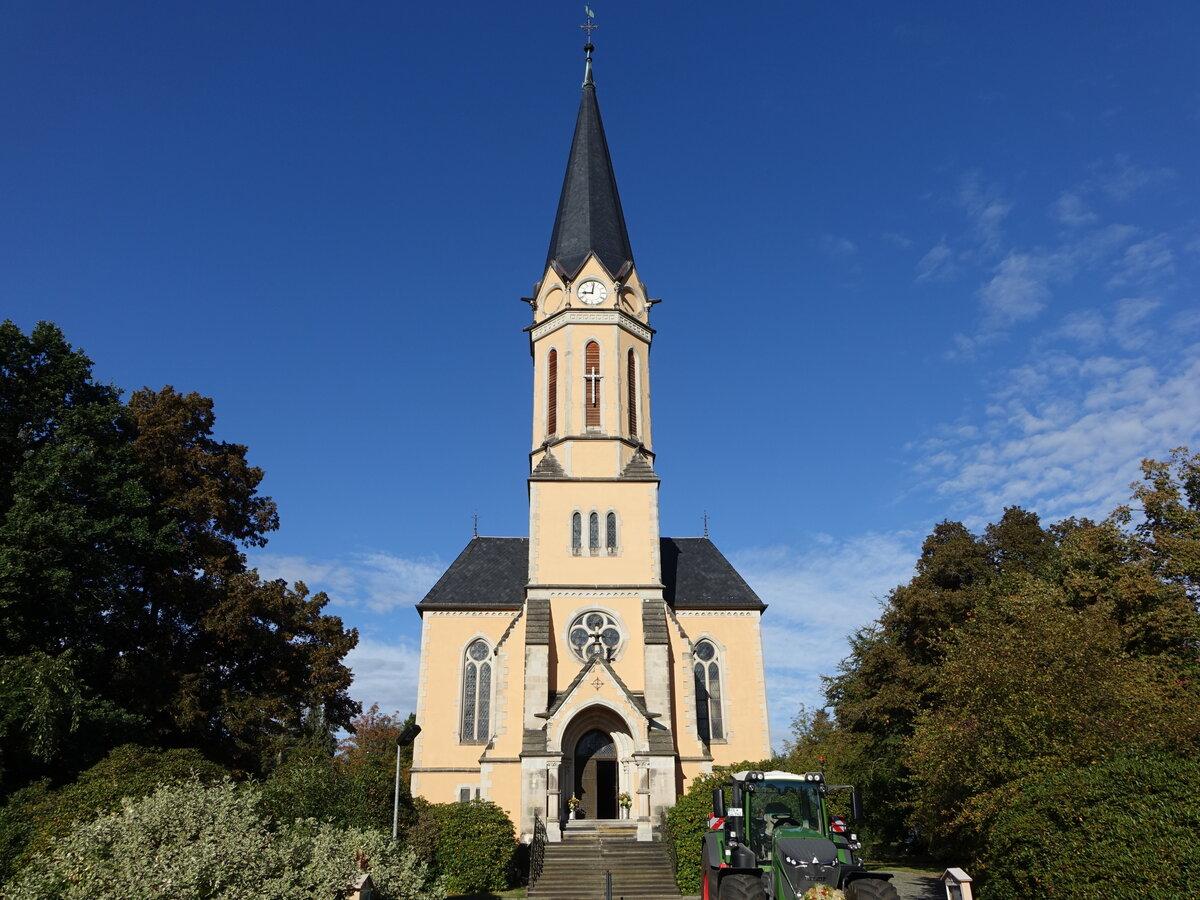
(367, 760)
(126, 603)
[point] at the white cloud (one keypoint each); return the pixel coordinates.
(837, 247)
(819, 596)
(937, 264)
(1120, 179)
(375, 580)
(385, 673)
(1071, 210)
(1064, 435)
(1017, 292)
(1145, 262)
(986, 209)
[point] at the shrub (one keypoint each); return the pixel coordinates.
(472, 845)
(35, 818)
(196, 842)
(1119, 827)
(687, 821)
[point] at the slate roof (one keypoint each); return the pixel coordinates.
(697, 575)
(491, 573)
(589, 218)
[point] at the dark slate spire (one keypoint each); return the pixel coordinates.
(589, 216)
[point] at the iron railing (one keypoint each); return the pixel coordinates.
(537, 850)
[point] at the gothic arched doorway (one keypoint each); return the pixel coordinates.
(596, 774)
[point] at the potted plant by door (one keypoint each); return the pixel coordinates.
(574, 804)
(626, 802)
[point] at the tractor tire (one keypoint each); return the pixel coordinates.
(741, 887)
(871, 889)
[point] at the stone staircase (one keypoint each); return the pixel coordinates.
(574, 869)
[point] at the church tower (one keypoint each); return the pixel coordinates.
(595, 660)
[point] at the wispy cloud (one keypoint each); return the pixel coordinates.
(385, 673)
(818, 597)
(1071, 210)
(1064, 434)
(986, 208)
(837, 247)
(1120, 178)
(938, 264)
(373, 580)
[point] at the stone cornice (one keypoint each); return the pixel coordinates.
(591, 317)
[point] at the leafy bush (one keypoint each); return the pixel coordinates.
(1116, 828)
(35, 818)
(687, 821)
(472, 845)
(196, 842)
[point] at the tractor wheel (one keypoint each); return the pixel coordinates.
(871, 889)
(741, 887)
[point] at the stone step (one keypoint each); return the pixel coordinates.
(574, 869)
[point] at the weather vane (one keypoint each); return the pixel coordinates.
(706, 523)
(475, 529)
(590, 26)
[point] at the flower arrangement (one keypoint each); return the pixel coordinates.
(574, 803)
(823, 892)
(625, 800)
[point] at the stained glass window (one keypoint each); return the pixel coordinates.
(593, 633)
(710, 718)
(576, 533)
(612, 533)
(477, 694)
(594, 533)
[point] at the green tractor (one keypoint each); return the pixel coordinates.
(776, 842)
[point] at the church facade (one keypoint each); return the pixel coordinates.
(595, 659)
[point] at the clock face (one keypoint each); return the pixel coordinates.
(592, 292)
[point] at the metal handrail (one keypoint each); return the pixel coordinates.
(537, 850)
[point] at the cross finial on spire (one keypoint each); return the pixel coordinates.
(706, 523)
(589, 27)
(475, 528)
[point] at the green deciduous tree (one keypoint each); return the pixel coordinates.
(127, 609)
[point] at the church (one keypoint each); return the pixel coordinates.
(595, 667)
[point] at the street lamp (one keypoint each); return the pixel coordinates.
(403, 739)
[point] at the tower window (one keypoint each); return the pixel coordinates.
(710, 720)
(594, 533)
(631, 378)
(552, 394)
(611, 533)
(576, 534)
(477, 694)
(591, 382)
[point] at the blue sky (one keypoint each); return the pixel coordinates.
(918, 261)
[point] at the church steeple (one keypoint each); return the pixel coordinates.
(589, 218)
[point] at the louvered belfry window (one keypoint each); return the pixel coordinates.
(591, 384)
(552, 394)
(631, 378)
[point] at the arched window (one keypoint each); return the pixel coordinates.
(477, 694)
(591, 384)
(631, 378)
(552, 394)
(576, 534)
(710, 720)
(594, 533)
(611, 533)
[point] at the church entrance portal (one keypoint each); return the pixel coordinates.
(596, 774)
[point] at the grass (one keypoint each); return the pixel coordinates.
(517, 893)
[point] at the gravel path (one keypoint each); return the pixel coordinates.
(917, 886)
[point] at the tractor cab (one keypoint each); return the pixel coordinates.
(775, 840)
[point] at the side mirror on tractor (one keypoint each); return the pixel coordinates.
(718, 803)
(856, 805)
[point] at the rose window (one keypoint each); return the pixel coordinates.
(593, 634)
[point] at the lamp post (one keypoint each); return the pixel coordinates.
(403, 739)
